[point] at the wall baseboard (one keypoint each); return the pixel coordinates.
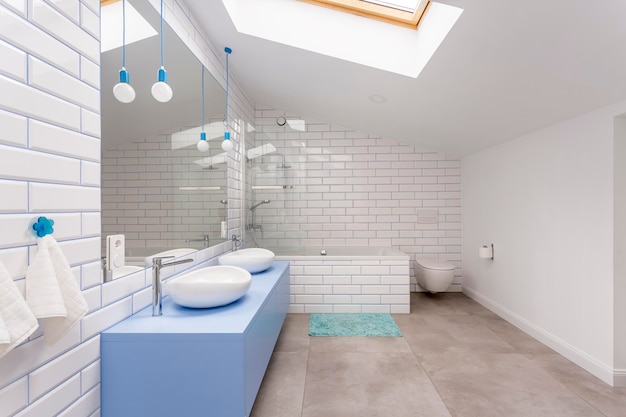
(608, 375)
(619, 378)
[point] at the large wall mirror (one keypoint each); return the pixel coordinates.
(158, 190)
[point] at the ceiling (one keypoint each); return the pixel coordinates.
(504, 70)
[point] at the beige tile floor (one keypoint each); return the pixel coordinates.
(456, 359)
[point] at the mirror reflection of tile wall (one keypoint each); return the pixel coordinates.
(160, 198)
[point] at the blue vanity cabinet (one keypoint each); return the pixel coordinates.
(194, 362)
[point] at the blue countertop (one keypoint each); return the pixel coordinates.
(229, 322)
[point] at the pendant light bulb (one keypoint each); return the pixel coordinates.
(123, 91)
(161, 91)
(203, 145)
(227, 145)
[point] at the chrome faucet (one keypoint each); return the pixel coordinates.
(107, 273)
(157, 291)
(205, 239)
(236, 242)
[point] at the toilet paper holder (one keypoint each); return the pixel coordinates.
(486, 252)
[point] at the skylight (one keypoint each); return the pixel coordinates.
(407, 13)
(346, 36)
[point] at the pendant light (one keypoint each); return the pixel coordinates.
(202, 144)
(227, 145)
(123, 91)
(161, 91)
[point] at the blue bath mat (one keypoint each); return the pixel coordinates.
(353, 324)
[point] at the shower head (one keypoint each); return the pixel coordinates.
(258, 204)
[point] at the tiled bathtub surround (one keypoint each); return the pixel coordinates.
(354, 189)
(349, 284)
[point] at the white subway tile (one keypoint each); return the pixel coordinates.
(15, 260)
(93, 297)
(80, 251)
(376, 309)
(55, 401)
(90, 173)
(89, 72)
(90, 123)
(33, 354)
(32, 102)
(14, 129)
(354, 308)
(318, 308)
(90, 21)
(55, 23)
(69, 8)
(13, 62)
(91, 274)
(90, 376)
(14, 397)
(48, 376)
(90, 224)
(62, 85)
(53, 139)
(17, 5)
(123, 287)
(17, 163)
(94, 5)
(142, 299)
(22, 34)
(96, 322)
(85, 405)
(53, 197)
(14, 196)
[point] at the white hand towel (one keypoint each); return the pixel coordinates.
(52, 292)
(17, 322)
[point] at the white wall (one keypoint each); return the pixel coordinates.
(620, 251)
(546, 201)
(50, 165)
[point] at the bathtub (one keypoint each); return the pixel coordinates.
(347, 279)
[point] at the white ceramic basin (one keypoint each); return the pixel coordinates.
(252, 260)
(172, 252)
(212, 286)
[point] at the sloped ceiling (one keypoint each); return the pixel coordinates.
(505, 69)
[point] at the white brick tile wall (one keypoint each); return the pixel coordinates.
(14, 397)
(53, 373)
(355, 190)
(85, 405)
(90, 377)
(32, 102)
(55, 401)
(52, 139)
(14, 62)
(50, 20)
(14, 129)
(14, 195)
(50, 125)
(51, 80)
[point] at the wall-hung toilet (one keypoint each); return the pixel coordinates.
(434, 276)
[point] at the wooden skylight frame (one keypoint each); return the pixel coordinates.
(378, 12)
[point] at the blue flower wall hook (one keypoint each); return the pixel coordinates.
(43, 226)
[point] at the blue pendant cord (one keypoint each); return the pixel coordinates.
(162, 54)
(227, 133)
(202, 68)
(123, 33)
